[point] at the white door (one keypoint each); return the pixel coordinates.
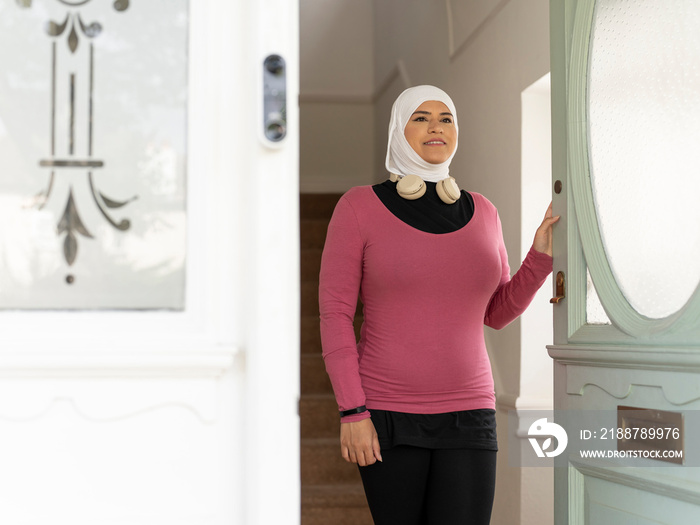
(149, 262)
(626, 124)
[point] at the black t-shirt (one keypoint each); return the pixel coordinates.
(429, 213)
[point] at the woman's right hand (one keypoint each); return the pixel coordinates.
(359, 442)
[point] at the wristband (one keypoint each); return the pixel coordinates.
(353, 411)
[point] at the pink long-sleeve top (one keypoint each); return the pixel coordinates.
(426, 298)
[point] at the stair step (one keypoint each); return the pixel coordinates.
(319, 416)
(314, 379)
(310, 335)
(331, 488)
(334, 505)
(351, 495)
(309, 298)
(312, 233)
(336, 516)
(322, 464)
(310, 264)
(317, 205)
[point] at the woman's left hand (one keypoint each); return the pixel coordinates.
(543, 235)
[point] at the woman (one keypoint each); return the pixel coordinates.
(428, 261)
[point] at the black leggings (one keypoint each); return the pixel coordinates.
(420, 486)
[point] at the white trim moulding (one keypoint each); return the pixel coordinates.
(398, 71)
(514, 402)
(205, 364)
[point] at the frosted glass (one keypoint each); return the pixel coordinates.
(644, 125)
(93, 100)
(595, 314)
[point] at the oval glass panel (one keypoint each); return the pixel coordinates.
(644, 147)
(595, 313)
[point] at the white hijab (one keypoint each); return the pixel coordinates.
(401, 159)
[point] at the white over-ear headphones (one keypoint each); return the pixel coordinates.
(412, 187)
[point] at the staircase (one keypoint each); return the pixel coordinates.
(331, 490)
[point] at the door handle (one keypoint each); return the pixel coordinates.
(560, 288)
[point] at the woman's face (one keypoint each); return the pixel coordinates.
(431, 132)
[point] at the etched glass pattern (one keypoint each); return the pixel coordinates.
(93, 149)
(644, 126)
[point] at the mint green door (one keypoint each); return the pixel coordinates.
(626, 155)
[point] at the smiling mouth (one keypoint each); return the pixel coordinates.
(435, 143)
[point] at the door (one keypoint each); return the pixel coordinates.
(626, 116)
(149, 262)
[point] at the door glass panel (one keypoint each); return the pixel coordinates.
(595, 314)
(644, 125)
(92, 144)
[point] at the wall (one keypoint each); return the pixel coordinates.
(536, 329)
(336, 94)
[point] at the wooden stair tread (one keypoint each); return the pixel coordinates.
(317, 205)
(340, 495)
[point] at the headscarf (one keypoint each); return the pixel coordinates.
(401, 158)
